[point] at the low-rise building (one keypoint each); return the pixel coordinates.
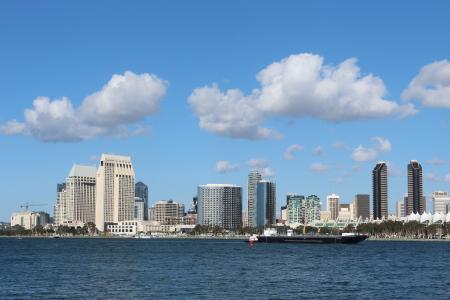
(133, 227)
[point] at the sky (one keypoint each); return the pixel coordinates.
(312, 93)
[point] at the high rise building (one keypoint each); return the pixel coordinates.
(333, 205)
(311, 207)
(80, 194)
(361, 206)
(141, 191)
(380, 191)
(220, 205)
(61, 204)
(168, 211)
(253, 178)
(440, 201)
(115, 190)
(295, 212)
(400, 209)
(415, 193)
(265, 203)
(139, 209)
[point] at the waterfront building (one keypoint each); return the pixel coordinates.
(345, 212)
(5, 226)
(361, 206)
(265, 203)
(380, 191)
(244, 218)
(139, 209)
(220, 205)
(333, 205)
(295, 212)
(283, 214)
(134, 227)
(30, 219)
(400, 209)
(311, 207)
(141, 191)
(115, 190)
(440, 200)
(80, 194)
(324, 215)
(415, 202)
(253, 178)
(168, 211)
(60, 208)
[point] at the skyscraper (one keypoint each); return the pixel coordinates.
(361, 206)
(253, 179)
(295, 212)
(380, 191)
(60, 206)
(220, 205)
(265, 203)
(139, 211)
(333, 205)
(141, 191)
(115, 190)
(80, 194)
(415, 202)
(312, 208)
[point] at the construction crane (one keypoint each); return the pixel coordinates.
(27, 205)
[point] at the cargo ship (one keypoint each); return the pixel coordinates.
(270, 236)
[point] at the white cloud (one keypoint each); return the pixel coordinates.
(262, 166)
(224, 166)
(298, 86)
(290, 151)
(318, 150)
(447, 178)
(431, 86)
(230, 114)
(361, 153)
(123, 101)
(341, 145)
(318, 167)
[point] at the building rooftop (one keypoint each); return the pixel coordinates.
(83, 171)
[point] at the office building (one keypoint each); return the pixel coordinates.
(400, 209)
(295, 212)
(333, 205)
(440, 200)
(220, 205)
(115, 190)
(29, 219)
(60, 208)
(244, 219)
(168, 211)
(139, 209)
(311, 207)
(141, 191)
(265, 203)
(380, 191)
(283, 214)
(415, 202)
(252, 183)
(361, 206)
(345, 212)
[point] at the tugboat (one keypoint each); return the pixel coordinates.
(270, 236)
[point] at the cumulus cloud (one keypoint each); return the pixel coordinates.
(318, 167)
(318, 150)
(381, 145)
(262, 166)
(289, 154)
(224, 166)
(123, 101)
(431, 86)
(298, 86)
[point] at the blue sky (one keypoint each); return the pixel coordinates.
(293, 79)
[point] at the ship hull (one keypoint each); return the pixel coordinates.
(318, 239)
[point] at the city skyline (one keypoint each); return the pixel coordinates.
(83, 91)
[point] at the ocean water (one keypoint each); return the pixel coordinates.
(221, 269)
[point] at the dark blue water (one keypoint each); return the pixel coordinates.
(217, 269)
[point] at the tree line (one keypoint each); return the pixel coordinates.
(88, 229)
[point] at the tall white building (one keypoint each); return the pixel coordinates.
(440, 201)
(220, 205)
(115, 190)
(60, 208)
(400, 208)
(333, 205)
